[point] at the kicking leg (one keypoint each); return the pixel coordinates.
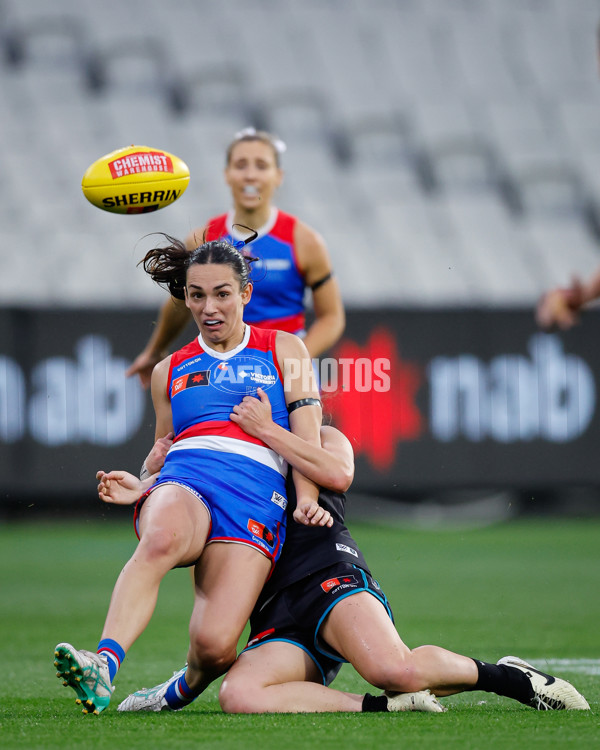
(173, 528)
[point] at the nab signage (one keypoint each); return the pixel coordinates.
(67, 407)
(85, 398)
(475, 398)
(431, 400)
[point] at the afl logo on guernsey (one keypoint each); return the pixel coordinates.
(243, 375)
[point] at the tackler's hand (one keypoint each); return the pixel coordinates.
(118, 487)
(312, 514)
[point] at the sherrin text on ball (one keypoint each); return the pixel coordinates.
(135, 180)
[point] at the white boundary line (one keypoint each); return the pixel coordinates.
(581, 666)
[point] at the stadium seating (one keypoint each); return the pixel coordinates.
(453, 143)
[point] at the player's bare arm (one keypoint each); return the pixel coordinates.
(299, 383)
(160, 399)
(316, 266)
(330, 465)
(154, 461)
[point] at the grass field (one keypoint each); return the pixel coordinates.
(530, 588)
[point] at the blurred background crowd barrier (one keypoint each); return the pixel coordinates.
(448, 151)
(434, 402)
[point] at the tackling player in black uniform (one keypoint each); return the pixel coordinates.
(322, 607)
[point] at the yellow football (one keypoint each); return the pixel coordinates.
(135, 180)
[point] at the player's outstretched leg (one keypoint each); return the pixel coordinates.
(87, 673)
(154, 699)
(421, 701)
(549, 693)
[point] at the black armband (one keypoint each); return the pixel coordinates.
(320, 282)
(303, 402)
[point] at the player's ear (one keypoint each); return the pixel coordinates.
(247, 293)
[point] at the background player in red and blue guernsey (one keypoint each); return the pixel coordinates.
(219, 502)
(279, 302)
(322, 607)
(292, 258)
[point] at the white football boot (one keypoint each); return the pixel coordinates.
(551, 693)
(151, 699)
(87, 673)
(421, 701)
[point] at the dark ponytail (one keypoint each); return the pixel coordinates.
(168, 265)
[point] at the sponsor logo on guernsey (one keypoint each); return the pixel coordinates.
(191, 380)
(344, 548)
(337, 584)
(278, 264)
(329, 584)
(260, 531)
(140, 161)
(260, 379)
(279, 500)
(244, 375)
(189, 363)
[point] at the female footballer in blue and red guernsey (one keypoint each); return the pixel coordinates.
(218, 503)
(203, 387)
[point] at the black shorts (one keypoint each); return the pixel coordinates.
(296, 613)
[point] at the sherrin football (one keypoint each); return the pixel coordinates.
(135, 180)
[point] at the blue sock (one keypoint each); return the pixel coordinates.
(179, 693)
(114, 653)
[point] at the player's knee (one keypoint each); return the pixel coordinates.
(161, 543)
(400, 676)
(236, 696)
